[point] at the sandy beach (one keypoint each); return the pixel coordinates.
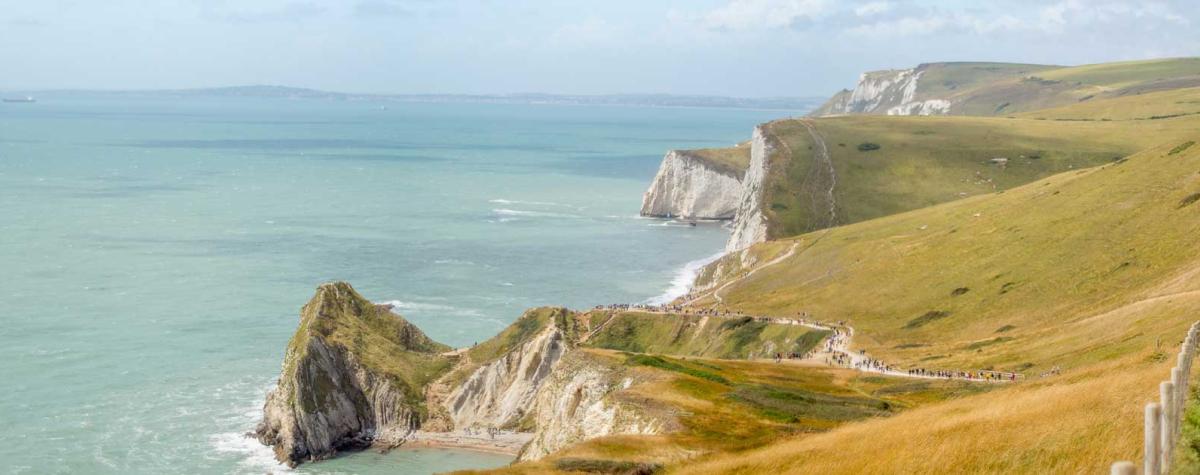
(504, 442)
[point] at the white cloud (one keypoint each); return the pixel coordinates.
(1067, 13)
(872, 9)
(763, 14)
(934, 22)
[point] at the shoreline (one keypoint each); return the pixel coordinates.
(504, 443)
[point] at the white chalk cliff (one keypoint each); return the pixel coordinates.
(688, 187)
(749, 223)
(891, 92)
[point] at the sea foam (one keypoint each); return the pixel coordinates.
(682, 283)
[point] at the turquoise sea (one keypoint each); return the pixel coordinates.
(155, 252)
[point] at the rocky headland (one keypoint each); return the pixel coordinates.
(357, 375)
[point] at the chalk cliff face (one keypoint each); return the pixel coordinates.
(579, 403)
(749, 224)
(688, 187)
(332, 393)
(500, 393)
(891, 92)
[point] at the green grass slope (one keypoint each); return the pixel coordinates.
(1157, 105)
(689, 335)
(887, 165)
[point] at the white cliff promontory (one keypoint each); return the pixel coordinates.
(891, 92)
(689, 187)
(749, 224)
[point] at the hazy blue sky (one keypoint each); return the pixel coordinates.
(727, 47)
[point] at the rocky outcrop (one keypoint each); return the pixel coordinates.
(580, 402)
(356, 375)
(750, 224)
(500, 393)
(891, 92)
(335, 392)
(689, 187)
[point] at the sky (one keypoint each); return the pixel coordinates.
(748, 48)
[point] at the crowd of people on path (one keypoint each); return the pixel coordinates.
(835, 346)
(668, 308)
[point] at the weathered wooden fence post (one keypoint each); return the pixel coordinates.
(1166, 393)
(1151, 457)
(1124, 468)
(1177, 407)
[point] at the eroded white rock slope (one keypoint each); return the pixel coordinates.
(891, 92)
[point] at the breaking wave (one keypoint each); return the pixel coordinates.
(682, 283)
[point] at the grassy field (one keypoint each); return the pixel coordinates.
(1157, 105)
(916, 162)
(1126, 74)
(731, 160)
(1073, 424)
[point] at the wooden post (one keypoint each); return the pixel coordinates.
(1151, 456)
(1177, 404)
(1124, 468)
(1166, 393)
(1185, 372)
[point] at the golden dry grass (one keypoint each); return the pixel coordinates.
(1076, 423)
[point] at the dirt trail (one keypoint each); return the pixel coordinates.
(824, 177)
(838, 344)
(717, 293)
